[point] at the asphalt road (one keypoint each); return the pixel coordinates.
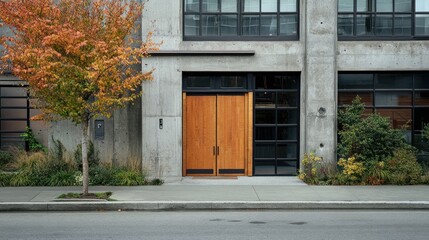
(302, 225)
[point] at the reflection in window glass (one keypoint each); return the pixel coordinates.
(288, 6)
(345, 5)
(345, 25)
(384, 24)
(364, 25)
(210, 25)
(288, 150)
(347, 98)
(394, 81)
(192, 25)
(286, 167)
(228, 25)
(287, 133)
(384, 5)
(422, 24)
(251, 25)
(265, 99)
(422, 98)
(364, 5)
(287, 99)
(192, 5)
(393, 99)
(355, 81)
(265, 150)
(403, 5)
(265, 167)
(268, 5)
(229, 6)
(288, 25)
(422, 6)
(210, 6)
(233, 82)
(265, 116)
(403, 24)
(398, 117)
(268, 25)
(251, 5)
(198, 82)
(287, 116)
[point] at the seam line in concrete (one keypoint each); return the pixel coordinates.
(257, 195)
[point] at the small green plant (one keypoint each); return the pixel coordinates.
(351, 171)
(403, 167)
(310, 168)
(426, 131)
(376, 173)
(5, 179)
(33, 144)
(63, 178)
(128, 178)
(156, 181)
(5, 158)
(99, 195)
(93, 156)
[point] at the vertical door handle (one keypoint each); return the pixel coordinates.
(217, 151)
(214, 150)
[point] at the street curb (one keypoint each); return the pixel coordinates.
(210, 205)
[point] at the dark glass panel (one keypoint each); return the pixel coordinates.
(384, 5)
(228, 25)
(393, 99)
(421, 117)
(13, 102)
(276, 82)
(265, 99)
(394, 81)
(398, 117)
(403, 24)
(265, 150)
(421, 80)
(347, 98)
(422, 24)
(233, 82)
(355, 81)
(192, 5)
(403, 5)
(250, 25)
(13, 125)
(287, 133)
(210, 25)
(288, 25)
(192, 25)
(364, 25)
(265, 133)
(13, 92)
(421, 143)
(384, 25)
(345, 25)
(269, 25)
(287, 99)
(345, 5)
(287, 116)
(287, 150)
(13, 113)
(265, 167)
(287, 167)
(198, 82)
(421, 98)
(265, 116)
(268, 5)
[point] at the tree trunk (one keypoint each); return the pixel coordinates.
(85, 165)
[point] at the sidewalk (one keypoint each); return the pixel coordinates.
(231, 194)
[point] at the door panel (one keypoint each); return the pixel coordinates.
(200, 135)
(231, 130)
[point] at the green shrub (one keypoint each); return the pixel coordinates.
(5, 158)
(93, 158)
(310, 168)
(128, 178)
(403, 167)
(156, 181)
(63, 178)
(351, 171)
(5, 179)
(33, 143)
(376, 173)
(102, 175)
(426, 132)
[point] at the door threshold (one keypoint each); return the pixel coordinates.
(216, 177)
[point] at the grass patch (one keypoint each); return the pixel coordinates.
(100, 195)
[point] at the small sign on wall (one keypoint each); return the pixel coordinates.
(99, 129)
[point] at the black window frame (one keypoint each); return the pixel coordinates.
(373, 13)
(240, 13)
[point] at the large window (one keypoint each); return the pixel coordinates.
(402, 97)
(383, 19)
(240, 19)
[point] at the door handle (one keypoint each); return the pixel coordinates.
(217, 150)
(214, 150)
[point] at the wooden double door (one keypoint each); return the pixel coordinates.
(215, 135)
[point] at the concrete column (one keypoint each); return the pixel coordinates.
(320, 76)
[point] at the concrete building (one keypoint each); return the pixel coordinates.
(246, 87)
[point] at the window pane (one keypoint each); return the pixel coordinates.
(345, 5)
(210, 6)
(422, 24)
(355, 81)
(402, 5)
(346, 98)
(287, 150)
(365, 5)
(265, 150)
(384, 5)
(192, 5)
(287, 133)
(265, 100)
(265, 167)
(345, 25)
(422, 98)
(265, 133)
(288, 25)
(392, 99)
(229, 5)
(192, 25)
(421, 81)
(228, 25)
(384, 25)
(422, 6)
(265, 116)
(364, 25)
(269, 25)
(403, 24)
(251, 25)
(287, 99)
(232, 82)
(276, 82)
(210, 26)
(286, 167)
(198, 82)
(288, 6)
(421, 117)
(398, 117)
(251, 5)
(394, 81)
(269, 6)
(287, 116)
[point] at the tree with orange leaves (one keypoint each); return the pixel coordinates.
(77, 56)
